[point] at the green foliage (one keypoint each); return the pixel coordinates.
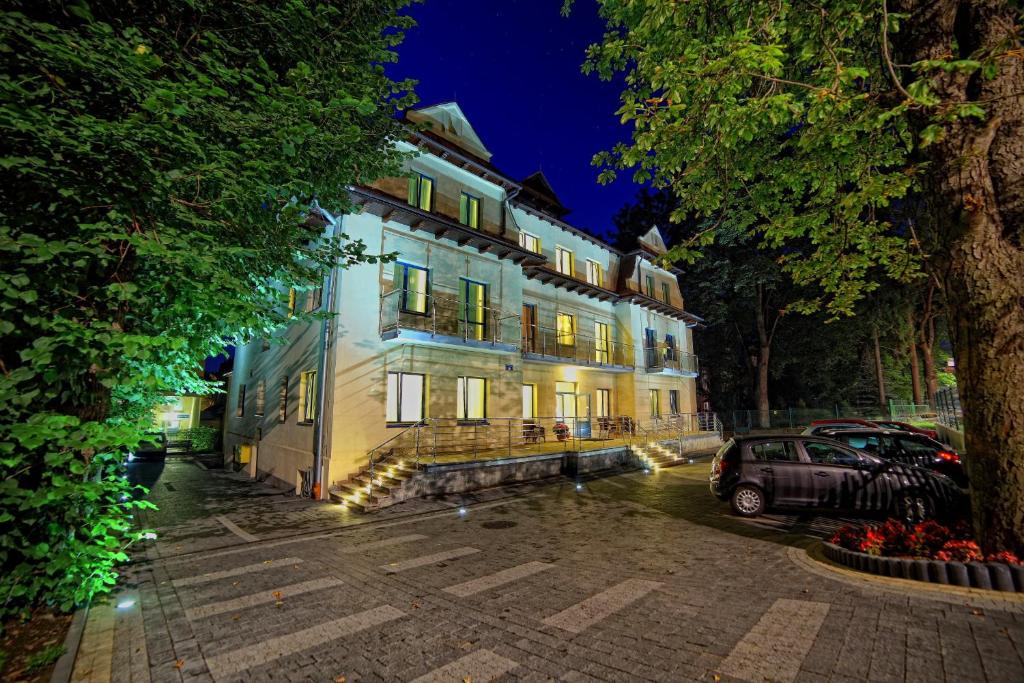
(158, 162)
(45, 657)
(781, 121)
(201, 437)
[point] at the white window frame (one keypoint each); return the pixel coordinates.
(595, 274)
(398, 401)
(524, 241)
(307, 397)
(462, 398)
(559, 252)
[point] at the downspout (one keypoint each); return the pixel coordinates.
(325, 367)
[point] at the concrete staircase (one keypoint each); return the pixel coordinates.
(655, 456)
(359, 494)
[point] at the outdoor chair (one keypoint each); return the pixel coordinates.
(533, 433)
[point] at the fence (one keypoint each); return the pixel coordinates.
(742, 421)
(947, 408)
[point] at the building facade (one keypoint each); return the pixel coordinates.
(497, 317)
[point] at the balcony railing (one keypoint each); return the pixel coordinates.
(661, 357)
(578, 349)
(446, 319)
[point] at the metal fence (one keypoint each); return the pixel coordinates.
(743, 421)
(947, 408)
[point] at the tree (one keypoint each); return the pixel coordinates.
(160, 162)
(798, 122)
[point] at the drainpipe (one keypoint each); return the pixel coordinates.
(324, 366)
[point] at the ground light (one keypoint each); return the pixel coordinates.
(125, 604)
(462, 511)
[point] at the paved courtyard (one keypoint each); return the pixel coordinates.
(628, 577)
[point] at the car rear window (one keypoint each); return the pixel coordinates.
(865, 443)
(726, 450)
(775, 451)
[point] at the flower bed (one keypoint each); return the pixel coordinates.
(925, 552)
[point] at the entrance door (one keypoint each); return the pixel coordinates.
(583, 416)
(529, 328)
(565, 402)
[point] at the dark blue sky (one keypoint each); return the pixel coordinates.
(514, 68)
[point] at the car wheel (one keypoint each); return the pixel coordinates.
(914, 507)
(747, 501)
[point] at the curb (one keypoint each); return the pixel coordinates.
(985, 575)
(64, 667)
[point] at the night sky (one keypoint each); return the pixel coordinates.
(514, 68)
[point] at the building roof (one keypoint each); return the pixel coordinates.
(447, 121)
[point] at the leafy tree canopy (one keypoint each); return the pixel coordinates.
(160, 159)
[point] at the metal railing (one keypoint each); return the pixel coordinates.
(661, 356)
(447, 316)
(947, 408)
(579, 348)
(434, 440)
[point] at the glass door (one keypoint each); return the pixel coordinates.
(474, 310)
(583, 416)
(529, 322)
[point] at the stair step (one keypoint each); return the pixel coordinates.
(348, 490)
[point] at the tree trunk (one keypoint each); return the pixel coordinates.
(931, 377)
(879, 372)
(764, 344)
(975, 236)
(915, 371)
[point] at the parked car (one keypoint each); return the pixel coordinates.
(755, 473)
(153, 446)
(819, 426)
(905, 427)
(906, 448)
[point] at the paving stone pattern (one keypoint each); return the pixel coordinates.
(637, 577)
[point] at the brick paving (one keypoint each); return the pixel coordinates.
(644, 577)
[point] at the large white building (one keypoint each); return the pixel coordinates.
(500, 328)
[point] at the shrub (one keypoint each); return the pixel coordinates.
(201, 437)
(928, 540)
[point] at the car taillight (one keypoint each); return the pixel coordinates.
(948, 456)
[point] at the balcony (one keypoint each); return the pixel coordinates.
(436, 319)
(547, 345)
(668, 360)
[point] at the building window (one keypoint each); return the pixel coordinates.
(529, 242)
(474, 309)
(563, 261)
(240, 408)
(261, 397)
(602, 343)
(282, 400)
(673, 401)
(529, 325)
(604, 403)
(314, 298)
(307, 396)
(469, 210)
(666, 294)
(655, 404)
(649, 285)
(670, 347)
(566, 329)
(421, 192)
(406, 392)
(529, 401)
(471, 398)
(415, 286)
(291, 301)
(594, 274)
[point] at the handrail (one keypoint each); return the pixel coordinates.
(445, 315)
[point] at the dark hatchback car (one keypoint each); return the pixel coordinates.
(754, 473)
(905, 448)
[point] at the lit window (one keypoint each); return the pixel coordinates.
(261, 397)
(282, 400)
(565, 400)
(414, 282)
(529, 401)
(529, 242)
(471, 398)
(566, 329)
(469, 210)
(594, 274)
(673, 401)
(649, 282)
(240, 409)
(604, 403)
(405, 397)
(421, 191)
(291, 301)
(563, 260)
(655, 404)
(307, 396)
(666, 293)
(602, 343)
